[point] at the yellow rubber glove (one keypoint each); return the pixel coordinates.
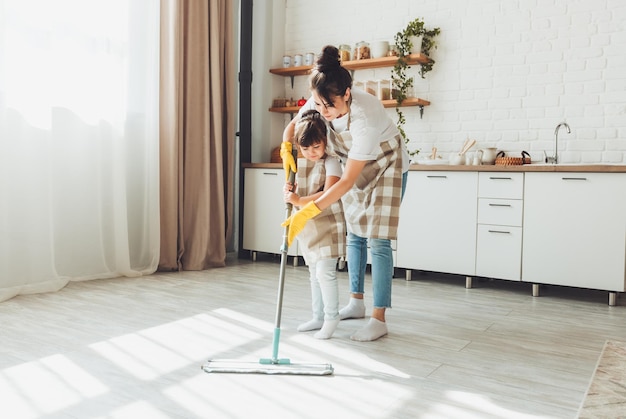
(289, 163)
(297, 221)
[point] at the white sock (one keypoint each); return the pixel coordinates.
(372, 331)
(312, 324)
(327, 329)
(354, 310)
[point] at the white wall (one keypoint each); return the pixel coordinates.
(506, 73)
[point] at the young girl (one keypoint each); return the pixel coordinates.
(323, 240)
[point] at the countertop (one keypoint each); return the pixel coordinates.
(537, 167)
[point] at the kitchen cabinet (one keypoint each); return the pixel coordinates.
(264, 211)
(575, 230)
(412, 59)
(554, 225)
(499, 227)
(437, 230)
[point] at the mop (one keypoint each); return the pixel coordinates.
(273, 365)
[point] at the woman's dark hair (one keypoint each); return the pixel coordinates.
(328, 77)
(310, 129)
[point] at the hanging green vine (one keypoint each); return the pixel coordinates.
(402, 83)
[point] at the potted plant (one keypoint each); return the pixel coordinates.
(406, 41)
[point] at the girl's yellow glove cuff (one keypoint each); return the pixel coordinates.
(297, 221)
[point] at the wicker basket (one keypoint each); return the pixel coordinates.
(503, 160)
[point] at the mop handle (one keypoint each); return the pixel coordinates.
(288, 208)
(283, 263)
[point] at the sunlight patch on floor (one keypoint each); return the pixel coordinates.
(139, 356)
(138, 409)
(250, 395)
(244, 319)
(48, 385)
(159, 350)
(354, 361)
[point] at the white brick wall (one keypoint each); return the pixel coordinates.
(507, 71)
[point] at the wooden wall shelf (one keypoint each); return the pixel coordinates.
(303, 70)
(411, 101)
(353, 65)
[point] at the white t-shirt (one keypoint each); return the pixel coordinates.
(370, 125)
(333, 166)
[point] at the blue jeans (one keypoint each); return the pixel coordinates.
(382, 264)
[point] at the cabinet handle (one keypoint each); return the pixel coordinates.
(499, 231)
(574, 178)
(270, 173)
(499, 205)
(500, 178)
(437, 176)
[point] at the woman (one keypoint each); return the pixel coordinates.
(375, 160)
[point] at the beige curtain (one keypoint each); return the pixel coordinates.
(197, 133)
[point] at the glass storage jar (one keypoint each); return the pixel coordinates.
(384, 89)
(362, 51)
(344, 52)
(358, 85)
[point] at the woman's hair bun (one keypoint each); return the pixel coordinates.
(329, 78)
(328, 60)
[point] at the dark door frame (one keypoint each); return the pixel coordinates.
(245, 105)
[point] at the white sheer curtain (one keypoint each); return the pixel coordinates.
(79, 83)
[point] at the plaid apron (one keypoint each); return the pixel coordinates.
(324, 236)
(372, 206)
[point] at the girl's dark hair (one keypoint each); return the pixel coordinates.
(310, 129)
(328, 77)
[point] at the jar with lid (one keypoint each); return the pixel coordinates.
(362, 51)
(393, 51)
(384, 89)
(344, 52)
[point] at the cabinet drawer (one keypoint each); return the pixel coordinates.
(500, 185)
(506, 212)
(499, 252)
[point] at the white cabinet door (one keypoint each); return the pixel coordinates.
(499, 252)
(264, 210)
(575, 230)
(438, 222)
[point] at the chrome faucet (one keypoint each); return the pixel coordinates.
(555, 158)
